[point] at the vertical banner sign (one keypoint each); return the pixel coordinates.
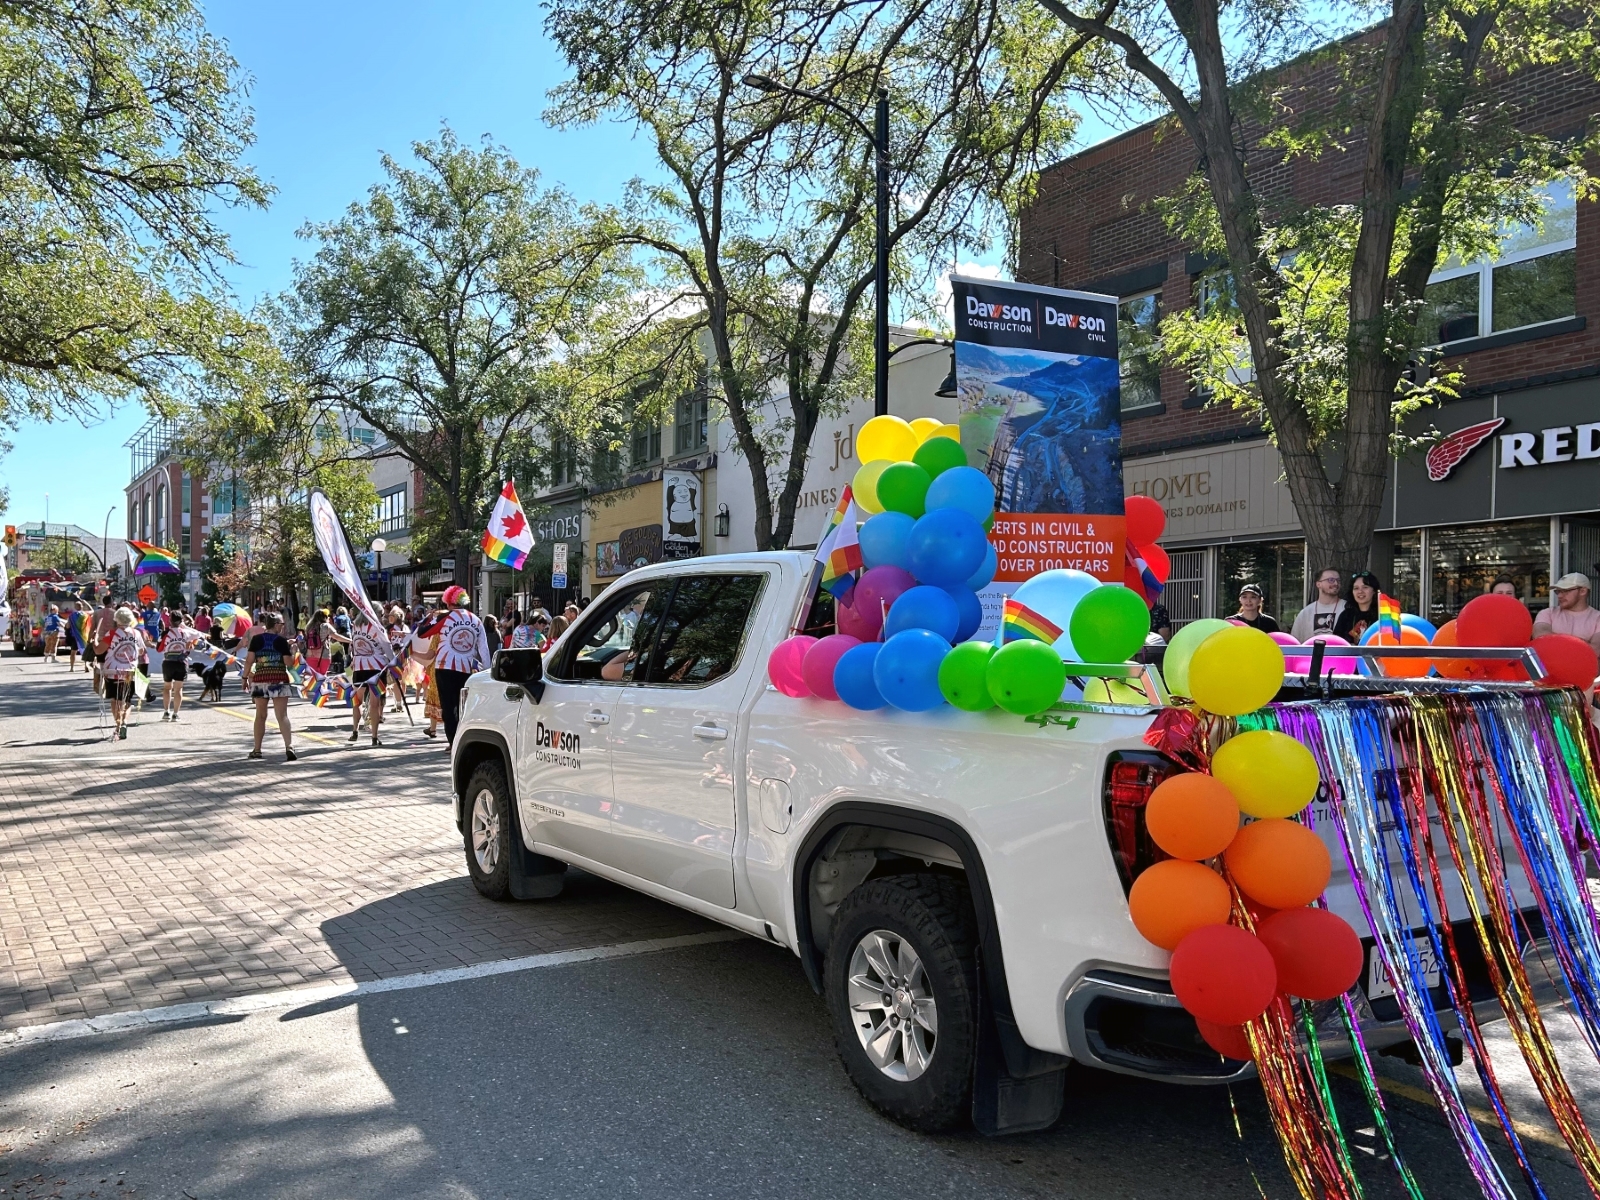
(336, 555)
(681, 504)
(1041, 414)
(558, 565)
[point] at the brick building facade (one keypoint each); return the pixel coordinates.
(1524, 329)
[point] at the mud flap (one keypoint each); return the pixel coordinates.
(531, 876)
(1015, 1088)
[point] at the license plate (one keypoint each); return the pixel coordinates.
(1378, 984)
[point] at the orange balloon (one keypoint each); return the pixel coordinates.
(1172, 898)
(1451, 668)
(1192, 816)
(1473, 668)
(1279, 863)
(1403, 668)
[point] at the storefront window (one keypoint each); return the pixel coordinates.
(1140, 367)
(1464, 561)
(1184, 595)
(1405, 572)
(1580, 547)
(1278, 568)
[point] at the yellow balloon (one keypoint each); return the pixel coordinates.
(925, 428)
(1234, 671)
(1269, 773)
(1181, 648)
(865, 485)
(888, 438)
(953, 432)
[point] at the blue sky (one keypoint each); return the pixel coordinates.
(336, 84)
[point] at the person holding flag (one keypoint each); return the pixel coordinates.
(463, 649)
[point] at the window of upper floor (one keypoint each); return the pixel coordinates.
(1531, 280)
(646, 443)
(689, 427)
(563, 460)
(394, 516)
(1138, 351)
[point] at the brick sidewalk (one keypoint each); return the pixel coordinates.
(159, 870)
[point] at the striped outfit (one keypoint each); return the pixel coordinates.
(463, 649)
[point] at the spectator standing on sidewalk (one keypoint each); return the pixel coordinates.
(1323, 612)
(266, 679)
(52, 632)
(1571, 613)
(1251, 598)
(463, 649)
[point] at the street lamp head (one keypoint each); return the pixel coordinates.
(761, 83)
(379, 545)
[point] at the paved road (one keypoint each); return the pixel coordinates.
(166, 869)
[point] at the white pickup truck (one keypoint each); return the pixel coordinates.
(954, 883)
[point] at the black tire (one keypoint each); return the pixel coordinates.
(488, 779)
(932, 914)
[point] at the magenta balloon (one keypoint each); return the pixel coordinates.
(820, 660)
(863, 624)
(1283, 639)
(1299, 664)
(878, 588)
(784, 667)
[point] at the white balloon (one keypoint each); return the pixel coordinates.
(1053, 595)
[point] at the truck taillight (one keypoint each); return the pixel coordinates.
(1131, 776)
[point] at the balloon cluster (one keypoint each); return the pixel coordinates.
(1147, 568)
(1223, 974)
(1505, 621)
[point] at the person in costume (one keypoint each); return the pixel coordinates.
(463, 649)
(265, 677)
(369, 658)
(123, 648)
(399, 643)
(424, 649)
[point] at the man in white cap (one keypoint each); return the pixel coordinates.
(1571, 613)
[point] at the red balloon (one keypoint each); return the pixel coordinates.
(1160, 564)
(1568, 661)
(1317, 954)
(1223, 974)
(1227, 1040)
(816, 668)
(1494, 621)
(1146, 519)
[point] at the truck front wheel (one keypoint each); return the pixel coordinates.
(487, 831)
(901, 986)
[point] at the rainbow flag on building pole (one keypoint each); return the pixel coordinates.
(1020, 621)
(839, 548)
(508, 538)
(151, 560)
(1389, 616)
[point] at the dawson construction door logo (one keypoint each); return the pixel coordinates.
(1447, 454)
(556, 747)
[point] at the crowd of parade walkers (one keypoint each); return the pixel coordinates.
(426, 651)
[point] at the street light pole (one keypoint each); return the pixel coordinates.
(105, 546)
(878, 137)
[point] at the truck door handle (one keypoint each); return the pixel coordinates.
(597, 718)
(713, 733)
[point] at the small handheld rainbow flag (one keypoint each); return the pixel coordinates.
(839, 550)
(1389, 616)
(151, 560)
(508, 538)
(1020, 621)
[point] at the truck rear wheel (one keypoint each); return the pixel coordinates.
(901, 985)
(486, 831)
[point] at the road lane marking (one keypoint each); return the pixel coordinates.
(58, 1031)
(1394, 1087)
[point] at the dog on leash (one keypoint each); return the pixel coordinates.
(212, 677)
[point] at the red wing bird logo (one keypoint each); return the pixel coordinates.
(1447, 453)
(513, 524)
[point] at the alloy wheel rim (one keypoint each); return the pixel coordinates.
(486, 832)
(892, 1005)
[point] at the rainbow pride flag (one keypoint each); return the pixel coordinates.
(508, 538)
(1389, 616)
(151, 560)
(839, 549)
(1020, 621)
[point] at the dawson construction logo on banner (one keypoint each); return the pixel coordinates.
(1040, 399)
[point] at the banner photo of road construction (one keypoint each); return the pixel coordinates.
(1040, 413)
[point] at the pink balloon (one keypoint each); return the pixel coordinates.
(784, 667)
(820, 660)
(878, 588)
(1235, 621)
(1283, 639)
(863, 624)
(1299, 664)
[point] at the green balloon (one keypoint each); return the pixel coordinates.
(903, 488)
(939, 454)
(1026, 677)
(1109, 624)
(1175, 663)
(963, 675)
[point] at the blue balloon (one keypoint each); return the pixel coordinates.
(852, 676)
(884, 540)
(971, 610)
(924, 608)
(1053, 595)
(907, 669)
(947, 546)
(984, 575)
(966, 488)
(1407, 621)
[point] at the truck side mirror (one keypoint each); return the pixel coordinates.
(524, 666)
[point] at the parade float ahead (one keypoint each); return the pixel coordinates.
(926, 760)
